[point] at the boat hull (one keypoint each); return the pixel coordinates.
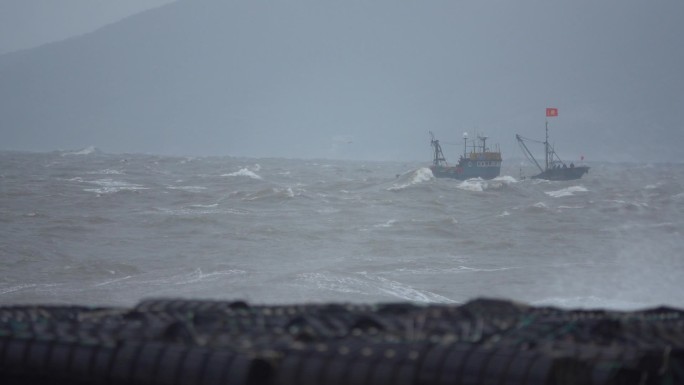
(466, 172)
(569, 173)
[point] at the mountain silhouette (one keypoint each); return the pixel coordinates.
(288, 79)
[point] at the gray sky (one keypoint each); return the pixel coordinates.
(357, 79)
(30, 23)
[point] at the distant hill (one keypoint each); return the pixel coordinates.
(334, 79)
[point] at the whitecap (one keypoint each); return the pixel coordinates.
(475, 184)
(506, 179)
(540, 205)
(569, 191)
(244, 172)
(416, 177)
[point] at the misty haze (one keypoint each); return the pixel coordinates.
(341, 192)
(279, 152)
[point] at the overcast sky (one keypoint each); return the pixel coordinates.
(356, 79)
(30, 23)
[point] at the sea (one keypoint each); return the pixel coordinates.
(98, 229)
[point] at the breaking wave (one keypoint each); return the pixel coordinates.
(479, 184)
(109, 186)
(416, 177)
(245, 172)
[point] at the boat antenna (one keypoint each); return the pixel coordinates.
(465, 144)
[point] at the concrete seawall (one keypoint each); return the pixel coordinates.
(484, 341)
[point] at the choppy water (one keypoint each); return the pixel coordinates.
(91, 228)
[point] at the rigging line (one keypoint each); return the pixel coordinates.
(531, 140)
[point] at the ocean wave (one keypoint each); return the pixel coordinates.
(244, 172)
(332, 283)
(109, 186)
(194, 210)
(372, 285)
(107, 172)
(539, 207)
(566, 192)
(272, 193)
(389, 223)
(113, 281)
(403, 291)
(199, 276)
(185, 278)
(472, 185)
(418, 176)
(479, 184)
(11, 289)
(194, 189)
(615, 205)
(450, 270)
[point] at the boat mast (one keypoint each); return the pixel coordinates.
(484, 142)
(546, 144)
(439, 155)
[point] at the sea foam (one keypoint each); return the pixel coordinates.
(566, 192)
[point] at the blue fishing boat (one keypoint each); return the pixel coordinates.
(480, 162)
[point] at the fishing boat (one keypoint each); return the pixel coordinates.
(554, 168)
(480, 162)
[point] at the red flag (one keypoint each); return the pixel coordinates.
(552, 112)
